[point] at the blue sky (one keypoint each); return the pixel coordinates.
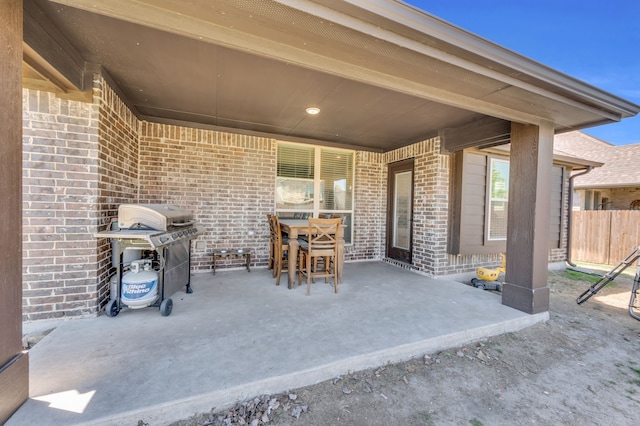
(596, 41)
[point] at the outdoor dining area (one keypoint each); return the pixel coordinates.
(306, 249)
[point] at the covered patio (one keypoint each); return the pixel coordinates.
(239, 336)
(188, 103)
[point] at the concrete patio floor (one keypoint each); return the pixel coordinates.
(238, 336)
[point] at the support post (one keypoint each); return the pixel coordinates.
(528, 218)
(14, 362)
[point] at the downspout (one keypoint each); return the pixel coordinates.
(589, 168)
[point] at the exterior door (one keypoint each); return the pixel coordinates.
(400, 211)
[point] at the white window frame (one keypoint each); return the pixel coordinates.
(593, 200)
(491, 199)
(315, 211)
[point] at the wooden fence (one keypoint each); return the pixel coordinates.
(604, 236)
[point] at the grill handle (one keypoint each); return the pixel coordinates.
(189, 223)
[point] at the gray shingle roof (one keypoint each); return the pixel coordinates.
(621, 163)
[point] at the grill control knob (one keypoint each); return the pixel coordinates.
(164, 239)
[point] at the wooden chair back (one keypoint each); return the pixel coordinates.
(272, 243)
(323, 240)
(322, 246)
(280, 247)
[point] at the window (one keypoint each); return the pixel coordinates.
(295, 182)
(592, 200)
(597, 205)
(588, 196)
(314, 181)
(498, 199)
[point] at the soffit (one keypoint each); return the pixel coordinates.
(256, 65)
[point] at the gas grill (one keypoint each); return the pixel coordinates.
(154, 225)
(163, 232)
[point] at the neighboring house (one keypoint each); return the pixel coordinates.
(613, 186)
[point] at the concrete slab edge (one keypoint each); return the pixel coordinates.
(165, 413)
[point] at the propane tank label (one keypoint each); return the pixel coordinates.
(137, 291)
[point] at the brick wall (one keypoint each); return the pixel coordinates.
(117, 176)
(560, 254)
(80, 163)
(60, 156)
(370, 206)
(227, 180)
(430, 203)
(621, 197)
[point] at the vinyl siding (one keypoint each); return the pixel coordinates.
(469, 187)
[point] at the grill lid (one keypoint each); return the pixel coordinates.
(152, 216)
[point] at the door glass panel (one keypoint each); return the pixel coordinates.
(402, 211)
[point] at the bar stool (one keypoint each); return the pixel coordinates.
(323, 244)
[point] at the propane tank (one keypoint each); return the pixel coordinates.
(140, 285)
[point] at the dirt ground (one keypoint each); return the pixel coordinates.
(582, 367)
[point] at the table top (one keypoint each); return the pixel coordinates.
(295, 223)
(296, 227)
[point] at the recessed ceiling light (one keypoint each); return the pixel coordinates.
(313, 110)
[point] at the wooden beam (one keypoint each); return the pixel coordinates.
(50, 53)
(528, 218)
(483, 133)
(38, 74)
(14, 372)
